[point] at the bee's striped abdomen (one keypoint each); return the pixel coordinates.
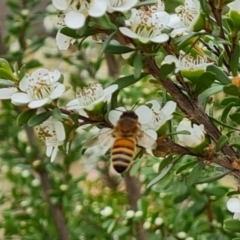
(122, 153)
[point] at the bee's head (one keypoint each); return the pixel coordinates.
(129, 114)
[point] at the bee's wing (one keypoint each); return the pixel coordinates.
(104, 138)
(146, 141)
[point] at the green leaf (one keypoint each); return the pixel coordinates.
(223, 124)
(128, 80)
(165, 162)
(235, 117)
(221, 76)
(121, 231)
(6, 75)
(163, 173)
(106, 43)
(231, 89)
(221, 142)
(73, 33)
(56, 114)
(6, 83)
(205, 95)
(228, 100)
(104, 22)
(186, 166)
(166, 69)
(226, 111)
(117, 49)
(231, 193)
(234, 61)
(137, 64)
(5, 65)
(232, 225)
(23, 117)
(212, 179)
(33, 64)
(37, 119)
(204, 82)
(194, 175)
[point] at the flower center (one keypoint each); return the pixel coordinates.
(192, 63)
(47, 134)
(40, 89)
(188, 15)
(146, 25)
(79, 5)
(90, 94)
(116, 3)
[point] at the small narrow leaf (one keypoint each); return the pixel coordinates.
(220, 75)
(231, 89)
(23, 117)
(56, 114)
(185, 166)
(204, 82)
(234, 61)
(106, 43)
(231, 193)
(221, 142)
(164, 172)
(194, 175)
(235, 117)
(228, 100)
(232, 225)
(166, 69)
(37, 119)
(118, 49)
(137, 64)
(226, 111)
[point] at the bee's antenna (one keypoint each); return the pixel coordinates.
(135, 105)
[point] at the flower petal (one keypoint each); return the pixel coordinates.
(151, 133)
(169, 108)
(127, 5)
(63, 41)
(114, 115)
(236, 215)
(144, 114)
(54, 154)
(155, 105)
(60, 132)
(98, 8)
(58, 91)
(6, 93)
(110, 89)
(74, 104)
(38, 103)
(60, 4)
(49, 150)
(20, 98)
(233, 205)
(160, 38)
(74, 19)
(127, 32)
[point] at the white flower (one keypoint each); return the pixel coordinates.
(196, 136)
(160, 114)
(181, 235)
(76, 12)
(90, 97)
(158, 221)
(6, 93)
(107, 211)
(187, 62)
(138, 214)
(233, 205)
(235, 5)
(120, 5)
(146, 225)
(52, 133)
(39, 88)
(130, 214)
(186, 17)
(63, 41)
(147, 25)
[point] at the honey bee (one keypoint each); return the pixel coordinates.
(124, 138)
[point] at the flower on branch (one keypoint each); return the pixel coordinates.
(76, 12)
(188, 62)
(120, 5)
(233, 205)
(91, 99)
(187, 19)
(52, 133)
(147, 25)
(39, 88)
(195, 139)
(160, 114)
